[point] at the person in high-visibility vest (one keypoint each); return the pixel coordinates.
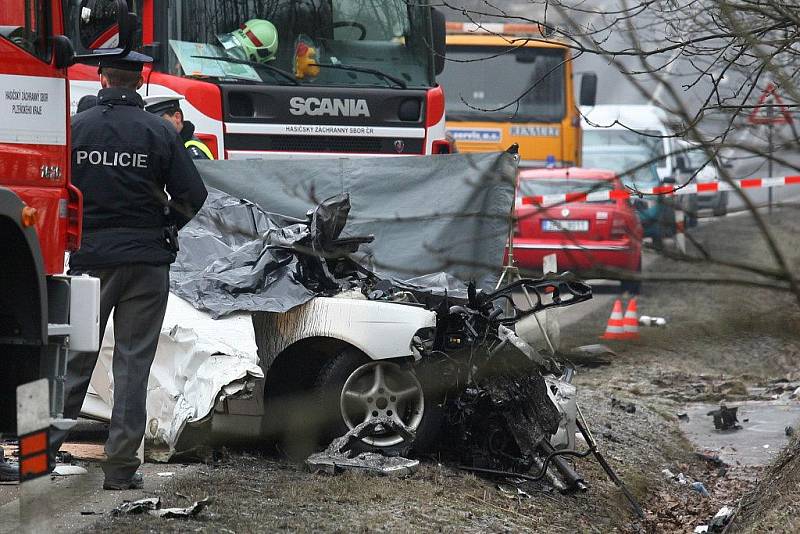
(168, 107)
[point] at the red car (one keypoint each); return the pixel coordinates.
(585, 236)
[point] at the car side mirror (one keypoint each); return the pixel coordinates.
(439, 39)
(588, 96)
(106, 28)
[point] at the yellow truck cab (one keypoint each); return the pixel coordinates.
(505, 84)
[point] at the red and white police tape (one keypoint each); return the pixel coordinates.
(690, 189)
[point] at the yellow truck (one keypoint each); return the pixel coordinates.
(505, 84)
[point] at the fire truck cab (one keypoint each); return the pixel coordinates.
(330, 77)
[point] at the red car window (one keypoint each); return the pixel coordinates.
(529, 187)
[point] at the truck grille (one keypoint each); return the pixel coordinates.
(315, 143)
(303, 143)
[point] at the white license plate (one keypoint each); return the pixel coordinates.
(561, 225)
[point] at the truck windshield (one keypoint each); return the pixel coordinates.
(388, 36)
(523, 85)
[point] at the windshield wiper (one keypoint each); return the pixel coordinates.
(366, 70)
(233, 78)
(269, 68)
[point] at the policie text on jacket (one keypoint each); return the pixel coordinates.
(112, 159)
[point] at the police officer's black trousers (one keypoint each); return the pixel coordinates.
(138, 295)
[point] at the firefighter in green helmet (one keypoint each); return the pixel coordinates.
(256, 40)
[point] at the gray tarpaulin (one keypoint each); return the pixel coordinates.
(429, 214)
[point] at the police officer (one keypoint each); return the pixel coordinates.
(139, 186)
(168, 107)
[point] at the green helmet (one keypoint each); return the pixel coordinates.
(255, 40)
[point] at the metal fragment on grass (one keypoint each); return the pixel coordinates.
(340, 456)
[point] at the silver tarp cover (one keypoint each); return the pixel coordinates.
(429, 214)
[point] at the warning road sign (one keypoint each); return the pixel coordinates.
(770, 108)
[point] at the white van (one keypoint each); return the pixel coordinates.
(631, 125)
(619, 125)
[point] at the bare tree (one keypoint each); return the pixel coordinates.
(706, 62)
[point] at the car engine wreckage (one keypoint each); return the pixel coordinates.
(393, 365)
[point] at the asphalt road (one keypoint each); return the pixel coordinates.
(72, 503)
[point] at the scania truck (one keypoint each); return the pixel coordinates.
(294, 78)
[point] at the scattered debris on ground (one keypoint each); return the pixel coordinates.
(152, 506)
(65, 470)
(341, 454)
(137, 507)
(189, 511)
(721, 519)
(725, 418)
(646, 320)
(627, 407)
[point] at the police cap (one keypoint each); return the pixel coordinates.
(133, 61)
(160, 104)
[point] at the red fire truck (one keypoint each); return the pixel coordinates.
(344, 77)
(43, 313)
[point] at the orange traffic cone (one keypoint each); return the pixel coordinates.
(630, 323)
(615, 328)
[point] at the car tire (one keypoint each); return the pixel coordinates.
(720, 210)
(349, 368)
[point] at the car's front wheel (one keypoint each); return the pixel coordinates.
(352, 389)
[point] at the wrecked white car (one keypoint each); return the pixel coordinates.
(448, 370)
(429, 363)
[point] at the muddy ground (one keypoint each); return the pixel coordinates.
(722, 343)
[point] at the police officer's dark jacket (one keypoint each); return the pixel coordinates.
(122, 160)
